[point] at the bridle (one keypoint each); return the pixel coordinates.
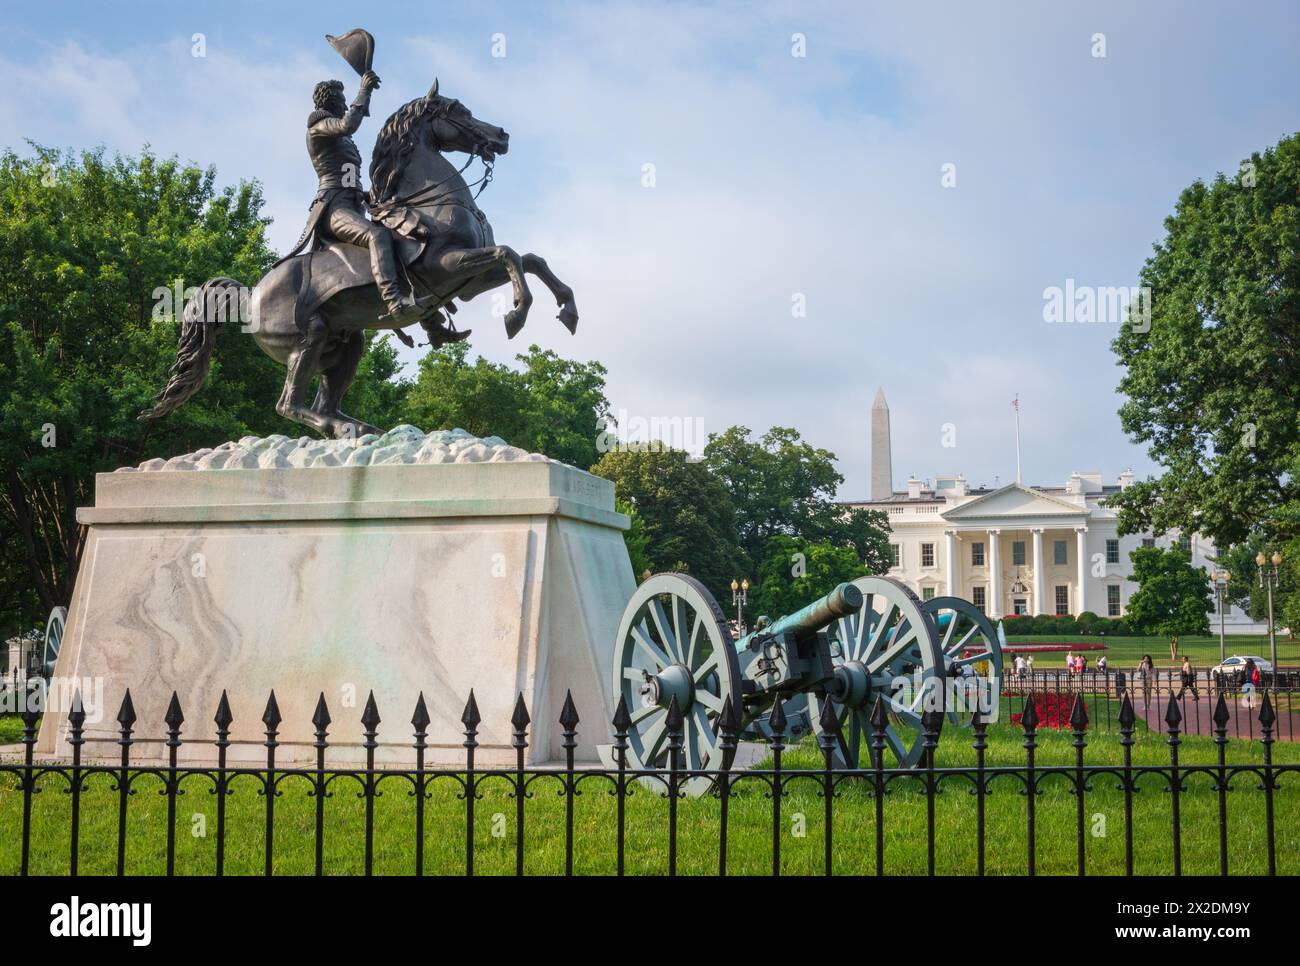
(429, 195)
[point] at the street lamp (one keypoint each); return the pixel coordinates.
(1268, 581)
(740, 597)
(1221, 578)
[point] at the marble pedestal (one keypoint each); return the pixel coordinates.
(274, 571)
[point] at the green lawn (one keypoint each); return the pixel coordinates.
(1125, 652)
(11, 728)
(750, 831)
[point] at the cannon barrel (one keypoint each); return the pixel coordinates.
(840, 602)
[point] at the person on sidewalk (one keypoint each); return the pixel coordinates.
(1145, 672)
(1187, 679)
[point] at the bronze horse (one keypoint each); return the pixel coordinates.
(309, 311)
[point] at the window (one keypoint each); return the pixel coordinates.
(977, 598)
(1062, 599)
(1112, 600)
(927, 555)
(1059, 553)
(1112, 551)
(1018, 553)
(927, 593)
(977, 554)
(1148, 542)
(895, 555)
(1184, 544)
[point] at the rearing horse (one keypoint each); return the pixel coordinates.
(309, 311)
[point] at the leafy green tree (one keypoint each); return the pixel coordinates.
(1173, 597)
(638, 542)
(783, 486)
(1244, 588)
(796, 571)
(1213, 385)
(91, 249)
(689, 522)
(552, 405)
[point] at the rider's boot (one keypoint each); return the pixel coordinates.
(440, 330)
(407, 310)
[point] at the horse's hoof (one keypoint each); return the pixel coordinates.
(569, 316)
(514, 322)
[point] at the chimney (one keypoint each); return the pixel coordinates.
(882, 468)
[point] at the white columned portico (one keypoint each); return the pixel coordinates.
(1038, 570)
(951, 536)
(995, 576)
(1081, 551)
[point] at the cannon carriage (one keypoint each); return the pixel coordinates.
(868, 639)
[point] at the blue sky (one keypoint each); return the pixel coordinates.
(777, 178)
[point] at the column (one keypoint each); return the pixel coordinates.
(1038, 571)
(952, 562)
(1081, 551)
(995, 577)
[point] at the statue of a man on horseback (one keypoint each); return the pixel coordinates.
(339, 208)
(425, 246)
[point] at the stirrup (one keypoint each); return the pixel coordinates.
(408, 312)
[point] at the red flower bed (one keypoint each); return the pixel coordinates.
(1053, 709)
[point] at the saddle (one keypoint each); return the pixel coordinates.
(333, 266)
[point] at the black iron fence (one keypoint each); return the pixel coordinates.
(874, 780)
(1197, 699)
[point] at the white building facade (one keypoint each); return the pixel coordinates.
(1018, 549)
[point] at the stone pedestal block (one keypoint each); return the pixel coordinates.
(303, 567)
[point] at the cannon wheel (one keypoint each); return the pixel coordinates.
(53, 639)
(965, 628)
(674, 640)
(892, 636)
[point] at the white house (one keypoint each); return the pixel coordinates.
(1016, 549)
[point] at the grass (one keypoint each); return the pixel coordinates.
(1126, 652)
(11, 729)
(750, 822)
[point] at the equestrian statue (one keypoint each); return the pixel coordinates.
(398, 255)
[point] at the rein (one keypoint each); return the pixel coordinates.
(429, 195)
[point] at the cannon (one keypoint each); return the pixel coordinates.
(869, 638)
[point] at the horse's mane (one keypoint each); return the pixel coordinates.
(392, 146)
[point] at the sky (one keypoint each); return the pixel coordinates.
(766, 210)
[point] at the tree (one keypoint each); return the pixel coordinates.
(553, 405)
(1212, 383)
(1173, 597)
(638, 543)
(689, 522)
(795, 572)
(1244, 588)
(91, 249)
(783, 486)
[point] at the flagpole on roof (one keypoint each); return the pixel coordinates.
(1015, 404)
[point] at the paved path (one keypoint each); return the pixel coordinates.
(1198, 716)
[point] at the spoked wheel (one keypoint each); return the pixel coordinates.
(968, 640)
(888, 648)
(53, 640)
(673, 641)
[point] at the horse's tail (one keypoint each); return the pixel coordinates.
(214, 302)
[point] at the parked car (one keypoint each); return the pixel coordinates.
(1234, 668)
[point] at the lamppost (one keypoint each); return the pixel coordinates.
(1268, 581)
(740, 597)
(1220, 578)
